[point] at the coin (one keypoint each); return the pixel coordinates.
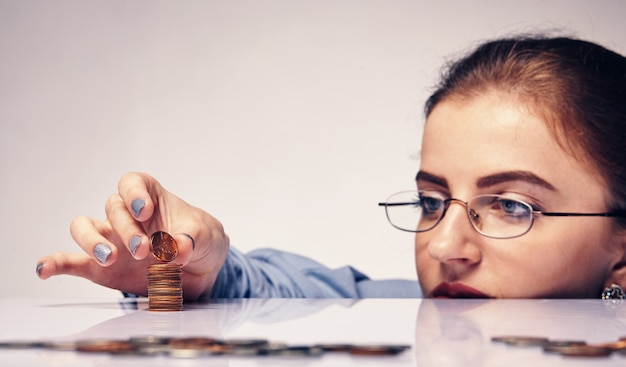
(193, 342)
(21, 344)
(565, 343)
(578, 350)
(618, 345)
(163, 246)
(378, 350)
(292, 351)
(151, 342)
(61, 345)
(246, 343)
(188, 353)
(521, 341)
(271, 348)
(244, 347)
(335, 347)
(105, 346)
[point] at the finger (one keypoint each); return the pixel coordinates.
(82, 265)
(137, 190)
(63, 263)
(192, 233)
(186, 244)
(209, 244)
(88, 234)
(126, 227)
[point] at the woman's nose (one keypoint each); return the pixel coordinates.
(453, 240)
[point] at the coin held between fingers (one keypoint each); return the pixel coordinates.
(163, 246)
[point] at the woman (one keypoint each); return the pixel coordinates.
(540, 123)
(522, 194)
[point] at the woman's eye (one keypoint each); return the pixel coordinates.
(514, 207)
(430, 204)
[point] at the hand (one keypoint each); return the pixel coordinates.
(117, 250)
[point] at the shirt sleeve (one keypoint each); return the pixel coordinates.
(268, 273)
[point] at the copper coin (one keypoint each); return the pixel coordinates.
(105, 346)
(194, 352)
(149, 340)
(165, 298)
(159, 268)
(292, 351)
(245, 343)
(167, 308)
(521, 341)
(193, 342)
(565, 343)
(335, 347)
(378, 350)
(21, 344)
(271, 348)
(61, 345)
(579, 351)
(163, 246)
(619, 345)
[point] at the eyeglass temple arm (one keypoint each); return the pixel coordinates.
(398, 204)
(607, 214)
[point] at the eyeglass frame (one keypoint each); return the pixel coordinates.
(533, 212)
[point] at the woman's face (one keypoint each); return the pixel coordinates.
(492, 145)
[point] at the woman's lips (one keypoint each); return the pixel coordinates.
(456, 290)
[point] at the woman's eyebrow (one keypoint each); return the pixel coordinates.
(509, 176)
(429, 177)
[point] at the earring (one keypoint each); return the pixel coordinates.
(613, 291)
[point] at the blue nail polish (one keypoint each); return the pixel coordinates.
(38, 269)
(134, 244)
(137, 205)
(102, 252)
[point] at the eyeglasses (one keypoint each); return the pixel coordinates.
(493, 216)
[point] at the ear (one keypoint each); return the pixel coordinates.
(617, 274)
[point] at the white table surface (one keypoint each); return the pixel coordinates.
(440, 332)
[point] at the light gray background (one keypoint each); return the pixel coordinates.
(287, 120)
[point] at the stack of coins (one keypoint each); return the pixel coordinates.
(165, 287)
(165, 284)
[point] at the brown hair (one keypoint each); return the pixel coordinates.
(577, 87)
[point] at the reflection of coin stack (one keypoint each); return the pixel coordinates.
(165, 292)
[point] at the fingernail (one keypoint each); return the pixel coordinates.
(134, 244)
(102, 252)
(137, 205)
(38, 269)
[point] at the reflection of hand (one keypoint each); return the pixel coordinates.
(117, 248)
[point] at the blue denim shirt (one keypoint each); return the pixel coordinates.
(266, 273)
